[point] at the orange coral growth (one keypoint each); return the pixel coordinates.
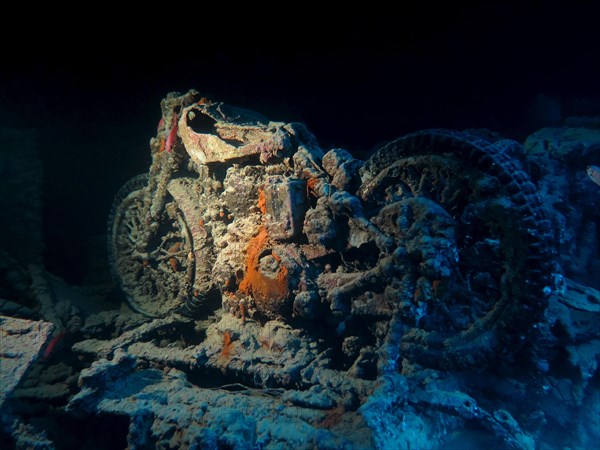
(161, 144)
(311, 184)
(172, 260)
(226, 345)
(174, 248)
(262, 201)
(333, 417)
(282, 273)
(256, 283)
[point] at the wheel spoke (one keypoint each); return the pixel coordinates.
(152, 270)
(463, 244)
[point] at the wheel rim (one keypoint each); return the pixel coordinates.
(455, 200)
(155, 272)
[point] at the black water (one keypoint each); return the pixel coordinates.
(93, 90)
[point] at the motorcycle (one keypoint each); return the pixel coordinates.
(436, 249)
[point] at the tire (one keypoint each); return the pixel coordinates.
(152, 262)
(475, 251)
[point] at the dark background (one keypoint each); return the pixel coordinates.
(90, 82)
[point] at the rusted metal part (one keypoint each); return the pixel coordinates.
(286, 205)
(21, 344)
(202, 258)
(580, 297)
(215, 132)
